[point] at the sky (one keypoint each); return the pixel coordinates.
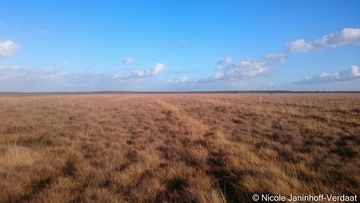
(185, 45)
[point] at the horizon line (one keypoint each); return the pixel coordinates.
(177, 92)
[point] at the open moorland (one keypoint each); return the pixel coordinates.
(177, 147)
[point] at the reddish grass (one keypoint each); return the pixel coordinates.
(177, 148)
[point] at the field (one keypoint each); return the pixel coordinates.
(177, 147)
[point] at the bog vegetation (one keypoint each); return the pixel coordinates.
(177, 148)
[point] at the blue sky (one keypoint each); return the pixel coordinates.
(179, 45)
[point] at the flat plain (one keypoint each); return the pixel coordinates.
(177, 147)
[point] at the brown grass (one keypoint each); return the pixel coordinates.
(177, 148)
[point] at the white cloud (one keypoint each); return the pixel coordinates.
(85, 78)
(183, 79)
(274, 59)
(9, 73)
(299, 46)
(15, 73)
(222, 63)
(16, 78)
(185, 71)
(353, 73)
(121, 75)
(244, 69)
(248, 68)
(177, 81)
(128, 61)
(140, 73)
(7, 48)
(348, 36)
(218, 75)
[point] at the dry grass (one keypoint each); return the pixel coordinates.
(177, 148)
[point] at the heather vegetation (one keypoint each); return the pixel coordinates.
(177, 148)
